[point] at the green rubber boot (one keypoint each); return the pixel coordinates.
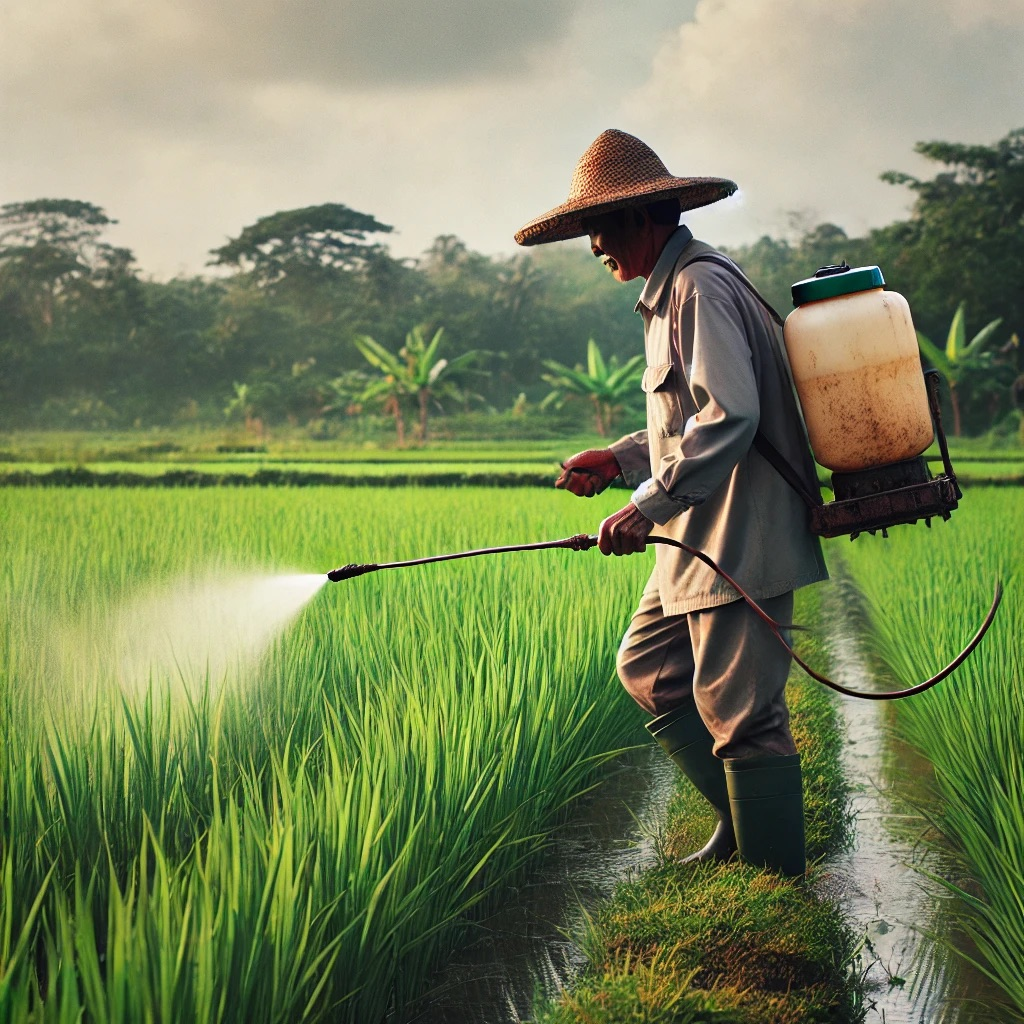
(766, 799)
(685, 738)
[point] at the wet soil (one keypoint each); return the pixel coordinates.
(879, 881)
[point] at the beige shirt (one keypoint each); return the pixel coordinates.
(715, 372)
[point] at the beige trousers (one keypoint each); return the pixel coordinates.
(725, 660)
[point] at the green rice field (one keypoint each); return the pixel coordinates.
(230, 792)
(927, 592)
(208, 459)
(207, 814)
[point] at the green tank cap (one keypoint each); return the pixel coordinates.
(829, 282)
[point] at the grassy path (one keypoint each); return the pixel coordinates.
(729, 943)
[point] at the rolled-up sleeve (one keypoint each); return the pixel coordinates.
(709, 338)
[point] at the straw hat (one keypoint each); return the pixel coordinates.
(618, 170)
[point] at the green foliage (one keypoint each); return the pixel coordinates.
(176, 359)
(303, 836)
(965, 235)
(81, 330)
(240, 405)
(268, 396)
(305, 243)
(959, 353)
(960, 357)
(638, 990)
(607, 385)
(416, 373)
(58, 279)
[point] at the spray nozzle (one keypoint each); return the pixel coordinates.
(348, 572)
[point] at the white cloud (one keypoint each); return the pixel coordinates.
(804, 104)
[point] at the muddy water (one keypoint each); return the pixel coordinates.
(879, 881)
(527, 946)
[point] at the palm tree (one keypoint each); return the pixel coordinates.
(959, 356)
(606, 384)
(416, 373)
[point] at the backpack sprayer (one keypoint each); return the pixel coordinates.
(870, 415)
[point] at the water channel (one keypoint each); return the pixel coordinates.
(528, 946)
(879, 880)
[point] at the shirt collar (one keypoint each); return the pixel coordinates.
(650, 297)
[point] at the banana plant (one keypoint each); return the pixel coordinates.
(606, 384)
(959, 356)
(244, 403)
(416, 373)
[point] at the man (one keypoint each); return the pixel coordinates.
(695, 656)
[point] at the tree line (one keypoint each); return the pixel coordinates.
(303, 308)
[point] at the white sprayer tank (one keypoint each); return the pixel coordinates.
(853, 351)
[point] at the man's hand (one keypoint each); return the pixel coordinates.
(589, 473)
(625, 532)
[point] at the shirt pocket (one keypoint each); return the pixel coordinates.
(664, 410)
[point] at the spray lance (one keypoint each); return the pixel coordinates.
(583, 542)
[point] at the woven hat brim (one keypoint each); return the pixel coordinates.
(566, 221)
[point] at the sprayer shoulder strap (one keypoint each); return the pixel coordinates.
(765, 448)
(713, 256)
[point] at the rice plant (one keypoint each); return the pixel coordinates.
(302, 834)
(927, 593)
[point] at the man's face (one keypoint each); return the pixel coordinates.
(615, 241)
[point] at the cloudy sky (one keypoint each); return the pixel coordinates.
(188, 119)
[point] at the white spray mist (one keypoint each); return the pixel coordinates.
(194, 633)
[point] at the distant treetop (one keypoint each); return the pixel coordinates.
(314, 238)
